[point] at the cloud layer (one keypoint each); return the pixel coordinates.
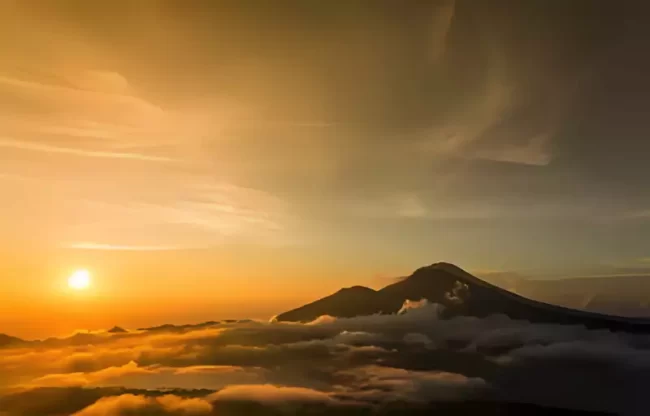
(414, 358)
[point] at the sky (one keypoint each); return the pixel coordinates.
(236, 159)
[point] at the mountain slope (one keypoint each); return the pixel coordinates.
(347, 302)
(7, 341)
(618, 294)
(462, 294)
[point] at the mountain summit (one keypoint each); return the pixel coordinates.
(461, 294)
(117, 330)
(7, 340)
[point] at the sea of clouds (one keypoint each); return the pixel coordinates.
(364, 364)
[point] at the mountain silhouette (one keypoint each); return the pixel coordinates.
(461, 294)
(625, 294)
(8, 340)
(117, 330)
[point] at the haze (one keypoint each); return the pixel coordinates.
(215, 160)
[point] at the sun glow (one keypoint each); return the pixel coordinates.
(79, 280)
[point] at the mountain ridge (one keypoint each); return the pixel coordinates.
(461, 293)
(8, 340)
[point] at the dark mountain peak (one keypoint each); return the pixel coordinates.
(180, 328)
(117, 330)
(356, 289)
(437, 269)
(460, 293)
(447, 267)
(360, 300)
(441, 265)
(164, 327)
(8, 340)
(347, 302)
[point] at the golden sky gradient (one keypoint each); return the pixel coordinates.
(209, 160)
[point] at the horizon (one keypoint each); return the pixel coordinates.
(375, 283)
(214, 155)
(184, 163)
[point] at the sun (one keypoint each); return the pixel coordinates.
(79, 280)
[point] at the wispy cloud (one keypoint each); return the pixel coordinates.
(442, 20)
(298, 123)
(412, 207)
(39, 147)
(86, 114)
(117, 247)
(189, 214)
(640, 214)
(535, 152)
(66, 97)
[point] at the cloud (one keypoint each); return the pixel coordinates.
(46, 93)
(413, 357)
(133, 376)
(95, 117)
(109, 82)
(465, 82)
(113, 247)
(382, 383)
(131, 404)
(412, 207)
(637, 215)
(85, 379)
(37, 147)
(185, 214)
(410, 305)
(535, 152)
(270, 394)
(610, 375)
(122, 166)
(95, 114)
(458, 293)
(442, 20)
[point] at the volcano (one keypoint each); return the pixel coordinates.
(461, 294)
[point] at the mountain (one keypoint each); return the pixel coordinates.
(173, 328)
(117, 330)
(8, 341)
(462, 294)
(345, 303)
(612, 291)
(617, 294)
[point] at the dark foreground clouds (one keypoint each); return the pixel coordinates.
(374, 363)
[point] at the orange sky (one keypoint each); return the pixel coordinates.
(147, 288)
(207, 160)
